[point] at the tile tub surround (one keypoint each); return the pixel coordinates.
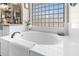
(15, 47)
(1, 34)
(71, 47)
(0, 48)
(8, 29)
(67, 47)
(48, 50)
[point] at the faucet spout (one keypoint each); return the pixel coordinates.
(14, 34)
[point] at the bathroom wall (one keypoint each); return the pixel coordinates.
(71, 45)
(16, 28)
(1, 30)
(74, 22)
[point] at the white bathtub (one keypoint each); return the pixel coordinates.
(40, 37)
(33, 43)
(47, 44)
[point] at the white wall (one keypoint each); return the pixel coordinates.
(16, 28)
(74, 22)
(49, 29)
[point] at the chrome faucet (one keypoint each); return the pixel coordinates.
(14, 34)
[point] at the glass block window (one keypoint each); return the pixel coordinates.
(48, 14)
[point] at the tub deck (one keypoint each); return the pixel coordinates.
(48, 50)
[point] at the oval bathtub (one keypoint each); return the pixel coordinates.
(32, 43)
(40, 37)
